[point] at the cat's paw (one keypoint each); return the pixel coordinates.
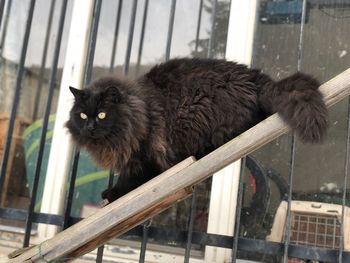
(111, 194)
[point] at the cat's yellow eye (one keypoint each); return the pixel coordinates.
(101, 115)
(83, 116)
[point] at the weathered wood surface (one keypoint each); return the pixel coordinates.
(167, 188)
(78, 238)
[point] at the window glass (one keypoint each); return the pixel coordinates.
(322, 50)
(33, 96)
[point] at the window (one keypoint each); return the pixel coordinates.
(280, 37)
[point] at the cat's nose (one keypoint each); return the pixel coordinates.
(90, 126)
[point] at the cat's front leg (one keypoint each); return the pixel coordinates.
(130, 177)
(125, 183)
(111, 194)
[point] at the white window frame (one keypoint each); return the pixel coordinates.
(61, 150)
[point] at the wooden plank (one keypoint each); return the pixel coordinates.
(128, 208)
(158, 193)
(132, 222)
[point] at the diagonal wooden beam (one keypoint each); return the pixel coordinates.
(166, 189)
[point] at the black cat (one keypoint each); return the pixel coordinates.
(184, 107)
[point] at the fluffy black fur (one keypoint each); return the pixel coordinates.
(185, 107)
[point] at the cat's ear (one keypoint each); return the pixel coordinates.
(113, 94)
(77, 93)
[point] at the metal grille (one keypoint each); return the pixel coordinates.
(315, 230)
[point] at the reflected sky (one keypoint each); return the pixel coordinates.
(155, 36)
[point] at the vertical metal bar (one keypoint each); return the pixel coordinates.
(144, 242)
(334, 230)
(130, 38)
(92, 42)
(116, 34)
(115, 39)
(301, 37)
(4, 31)
(238, 211)
(255, 39)
(131, 31)
(144, 20)
(190, 226)
(199, 21)
(292, 161)
(99, 256)
(171, 22)
(2, 5)
(288, 219)
(45, 124)
(212, 31)
(73, 176)
(43, 61)
(345, 183)
(170, 30)
(16, 98)
(110, 178)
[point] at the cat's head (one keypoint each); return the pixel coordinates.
(96, 113)
(109, 119)
(103, 111)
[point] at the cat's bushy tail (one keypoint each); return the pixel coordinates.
(299, 103)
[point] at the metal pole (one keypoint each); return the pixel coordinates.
(212, 31)
(92, 42)
(144, 20)
(288, 219)
(190, 225)
(345, 186)
(99, 256)
(238, 211)
(43, 61)
(170, 29)
(116, 34)
(4, 30)
(69, 199)
(144, 242)
(87, 80)
(2, 5)
(130, 38)
(199, 21)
